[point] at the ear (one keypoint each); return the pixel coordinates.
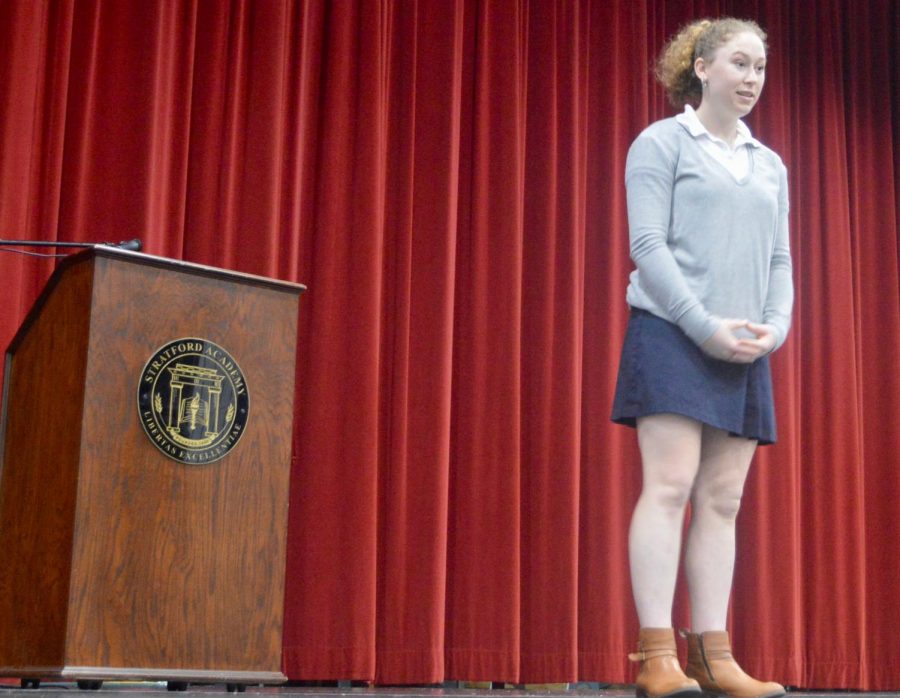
(700, 68)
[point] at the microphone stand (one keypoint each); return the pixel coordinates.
(133, 245)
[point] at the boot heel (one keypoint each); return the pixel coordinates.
(681, 693)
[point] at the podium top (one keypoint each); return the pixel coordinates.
(178, 265)
(171, 265)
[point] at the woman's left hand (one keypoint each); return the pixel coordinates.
(762, 344)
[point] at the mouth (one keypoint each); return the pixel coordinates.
(746, 94)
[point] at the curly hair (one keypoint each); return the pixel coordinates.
(700, 39)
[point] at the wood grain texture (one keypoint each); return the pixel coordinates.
(173, 566)
(44, 394)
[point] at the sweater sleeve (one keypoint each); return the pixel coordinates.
(649, 182)
(780, 295)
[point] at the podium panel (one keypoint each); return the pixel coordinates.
(144, 531)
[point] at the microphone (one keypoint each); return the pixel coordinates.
(133, 245)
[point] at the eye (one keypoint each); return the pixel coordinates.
(760, 69)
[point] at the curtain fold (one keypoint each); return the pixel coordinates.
(420, 208)
(619, 84)
(873, 164)
(334, 492)
(446, 176)
(484, 555)
(551, 350)
(834, 603)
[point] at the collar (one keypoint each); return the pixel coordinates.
(689, 119)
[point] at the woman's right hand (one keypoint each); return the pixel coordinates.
(725, 345)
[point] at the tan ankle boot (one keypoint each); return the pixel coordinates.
(661, 675)
(711, 663)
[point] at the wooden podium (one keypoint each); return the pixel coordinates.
(146, 447)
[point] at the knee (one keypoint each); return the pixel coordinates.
(670, 495)
(722, 502)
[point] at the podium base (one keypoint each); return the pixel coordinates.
(102, 673)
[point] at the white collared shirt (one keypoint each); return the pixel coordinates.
(736, 160)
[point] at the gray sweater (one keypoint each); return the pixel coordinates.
(707, 246)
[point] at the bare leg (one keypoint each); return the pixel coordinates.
(670, 455)
(715, 501)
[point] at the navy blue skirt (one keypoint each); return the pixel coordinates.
(662, 370)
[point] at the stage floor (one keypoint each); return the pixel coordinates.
(112, 689)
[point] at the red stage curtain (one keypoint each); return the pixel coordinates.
(446, 176)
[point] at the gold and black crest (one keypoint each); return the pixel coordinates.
(193, 400)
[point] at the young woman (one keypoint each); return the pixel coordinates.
(711, 297)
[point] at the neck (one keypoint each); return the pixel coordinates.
(719, 125)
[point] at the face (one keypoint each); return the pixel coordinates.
(734, 76)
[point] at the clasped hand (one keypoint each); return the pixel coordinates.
(725, 345)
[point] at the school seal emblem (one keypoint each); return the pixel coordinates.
(193, 401)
